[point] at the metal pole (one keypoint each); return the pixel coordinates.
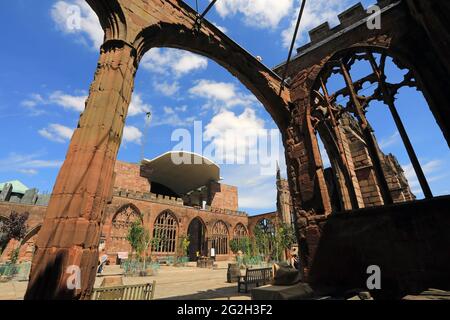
(299, 19)
(388, 99)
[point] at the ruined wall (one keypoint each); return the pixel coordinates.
(35, 218)
(128, 176)
(150, 210)
(223, 196)
(408, 241)
(364, 169)
(284, 201)
(415, 39)
(254, 220)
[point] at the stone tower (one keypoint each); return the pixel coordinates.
(284, 200)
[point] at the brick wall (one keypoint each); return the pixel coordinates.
(223, 196)
(128, 176)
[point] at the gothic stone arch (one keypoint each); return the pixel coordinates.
(71, 230)
(403, 35)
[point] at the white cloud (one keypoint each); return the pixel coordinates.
(182, 108)
(257, 13)
(34, 100)
(316, 12)
(77, 18)
(28, 164)
(77, 102)
(166, 88)
(132, 134)
(256, 191)
(391, 140)
(28, 172)
(56, 132)
(177, 62)
(234, 136)
(434, 170)
(229, 132)
(223, 29)
(168, 110)
(173, 119)
(138, 106)
(67, 101)
(226, 94)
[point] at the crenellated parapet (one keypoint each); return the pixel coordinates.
(163, 199)
(147, 196)
(348, 20)
(227, 212)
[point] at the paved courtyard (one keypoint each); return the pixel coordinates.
(180, 283)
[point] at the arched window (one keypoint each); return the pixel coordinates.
(240, 231)
(121, 224)
(264, 235)
(165, 233)
(219, 238)
(356, 95)
(266, 226)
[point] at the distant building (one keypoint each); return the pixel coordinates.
(172, 201)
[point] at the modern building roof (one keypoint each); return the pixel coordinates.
(18, 187)
(181, 171)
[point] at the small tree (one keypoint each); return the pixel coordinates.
(263, 242)
(234, 246)
(284, 239)
(14, 227)
(139, 238)
(184, 245)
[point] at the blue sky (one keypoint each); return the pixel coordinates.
(47, 70)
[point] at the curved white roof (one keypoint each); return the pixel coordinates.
(181, 171)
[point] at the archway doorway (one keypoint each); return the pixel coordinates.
(197, 238)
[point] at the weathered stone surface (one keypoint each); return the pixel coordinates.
(71, 230)
(415, 34)
(30, 196)
(6, 192)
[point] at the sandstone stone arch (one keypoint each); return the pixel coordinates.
(33, 232)
(307, 181)
(266, 225)
(240, 231)
(220, 237)
(121, 223)
(165, 233)
(83, 186)
(197, 233)
(335, 140)
(261, 81)
(111, 17)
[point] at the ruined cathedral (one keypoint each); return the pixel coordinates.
(172, 202)
(350, 204)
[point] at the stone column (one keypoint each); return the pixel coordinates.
(70, 234)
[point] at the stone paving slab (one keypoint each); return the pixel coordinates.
(175, 283)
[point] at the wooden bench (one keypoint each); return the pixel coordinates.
(260, 276)
(129, 292)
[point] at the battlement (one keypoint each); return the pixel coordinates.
(152, 197)
(227, 211)
(353, 16)
(147, 196)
